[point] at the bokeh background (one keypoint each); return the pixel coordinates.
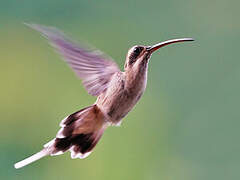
(185, 127)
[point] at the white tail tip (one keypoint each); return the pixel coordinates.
(31, 159)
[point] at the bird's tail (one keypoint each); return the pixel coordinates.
(79, 134)
(31, 159)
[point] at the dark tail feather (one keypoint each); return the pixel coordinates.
(79, 134)
(80, 145)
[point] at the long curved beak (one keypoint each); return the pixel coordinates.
(155, 47)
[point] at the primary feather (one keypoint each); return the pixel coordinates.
(92, 67)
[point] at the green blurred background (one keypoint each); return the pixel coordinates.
(185, 127)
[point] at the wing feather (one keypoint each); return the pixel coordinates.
(92, 67)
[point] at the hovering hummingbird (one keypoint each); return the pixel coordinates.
(117, 93)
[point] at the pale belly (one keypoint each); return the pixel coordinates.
(117, 107)
(119, 100)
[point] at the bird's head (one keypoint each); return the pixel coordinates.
(139, 55)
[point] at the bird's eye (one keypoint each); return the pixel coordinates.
(137, 51)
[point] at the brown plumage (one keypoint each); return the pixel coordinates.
(117, 93)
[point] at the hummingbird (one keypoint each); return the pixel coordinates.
(117, 92)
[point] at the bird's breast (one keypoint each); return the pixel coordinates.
(119, 98)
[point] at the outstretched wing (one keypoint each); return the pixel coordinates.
(92, 67)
